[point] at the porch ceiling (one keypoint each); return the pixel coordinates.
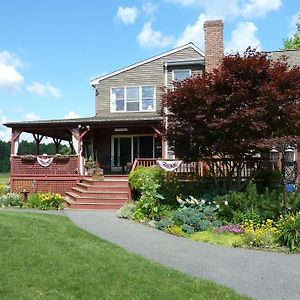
(60, 128)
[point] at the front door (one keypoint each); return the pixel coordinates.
(122, 151)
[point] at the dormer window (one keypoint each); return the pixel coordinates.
(133, 99)
(181, 74)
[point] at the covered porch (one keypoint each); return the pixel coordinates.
(111, 143)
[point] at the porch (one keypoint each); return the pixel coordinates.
(113, 144)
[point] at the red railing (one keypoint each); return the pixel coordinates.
(25, 167)
(217, 167)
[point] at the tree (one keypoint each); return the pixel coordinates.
(293, 42)
(234, 112)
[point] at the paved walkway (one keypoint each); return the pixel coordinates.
(261, 275)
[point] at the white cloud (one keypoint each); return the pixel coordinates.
(5, 133)
(149, 8)
(184, 2)
(193, 33)
(43, 89)
(293, 20)
(248, 9)
(10, 59)
(71, 115)
(31, 116)
(127, 15)
(242, 37)
(259, 8)
(150, 38)
(10, 78)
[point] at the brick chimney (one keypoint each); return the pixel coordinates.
(214, 48)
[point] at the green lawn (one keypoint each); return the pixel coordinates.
(4, 178)
(47, 257)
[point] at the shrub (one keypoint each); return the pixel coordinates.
(164, 224)
(45, 201)
(2, 186)
(289, 231)
(143, 175)
(176, 230)
(127, 211)
(195, 213)
(269, 204)
(11, 200)
(249, 215)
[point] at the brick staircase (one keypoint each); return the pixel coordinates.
(111, 193)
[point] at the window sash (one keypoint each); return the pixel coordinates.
(133, 99)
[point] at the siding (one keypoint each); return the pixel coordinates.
(151, 73)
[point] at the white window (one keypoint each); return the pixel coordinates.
(179, 75)
(129, 99)
(118, 99)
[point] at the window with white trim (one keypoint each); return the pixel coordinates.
(179, 75)
(129, 99)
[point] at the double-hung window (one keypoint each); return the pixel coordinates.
(129, 99)
(182, 74)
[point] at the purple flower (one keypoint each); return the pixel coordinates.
(233, 228)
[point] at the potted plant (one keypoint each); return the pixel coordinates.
(90, 166)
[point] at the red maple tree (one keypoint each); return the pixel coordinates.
(241, 108)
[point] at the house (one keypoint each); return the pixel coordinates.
(127, 125)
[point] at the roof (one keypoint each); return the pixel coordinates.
(97, 79)
(293, 56)
(114, 120)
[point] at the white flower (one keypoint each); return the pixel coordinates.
(226, 203)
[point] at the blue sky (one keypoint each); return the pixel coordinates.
(50, 50)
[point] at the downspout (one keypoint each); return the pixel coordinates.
(165, 154)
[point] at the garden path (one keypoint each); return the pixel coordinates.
(258, 274)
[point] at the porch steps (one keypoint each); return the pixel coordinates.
(110, 194)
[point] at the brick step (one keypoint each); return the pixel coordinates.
(99, 198)
(89, 205)
(100, 193)
(106, 182)
(105, 188)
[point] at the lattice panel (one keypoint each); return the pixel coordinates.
(68, 167)
(33, 185)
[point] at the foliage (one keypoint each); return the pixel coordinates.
(260, 235)
(228, 114)
(174, 185)
(195, 215)
(268, 204)
(127, 211)
(45, 201)
(164, 224)
(28, 158)
(268, 179)
(293, 42)
(37, 262)
(2, 187)
(147, 182)
(11, 200)
(225, 239)
(289, 231)
(176, 230)
(142, 174)
(90, 164)
(252, 215)
(4, 156)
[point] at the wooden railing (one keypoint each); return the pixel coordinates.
(217, 167)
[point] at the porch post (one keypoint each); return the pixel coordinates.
(56, 143)
(15, 134)
(38, 138)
